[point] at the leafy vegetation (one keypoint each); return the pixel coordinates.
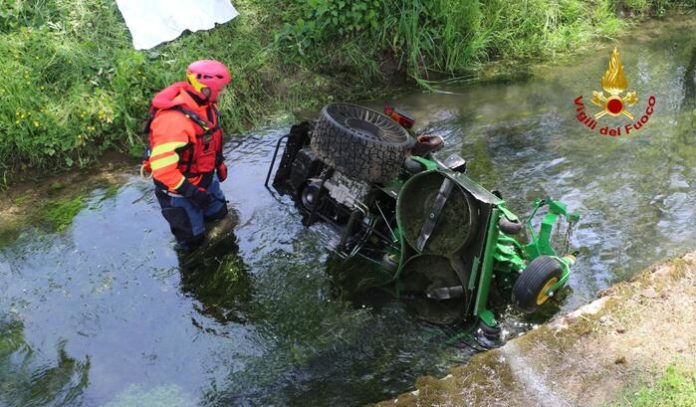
(73, 87)
(450, 36)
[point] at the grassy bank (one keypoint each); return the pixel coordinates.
(73, 87)
(676, 388)
(634, 346)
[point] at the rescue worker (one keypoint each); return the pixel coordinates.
(186, 158)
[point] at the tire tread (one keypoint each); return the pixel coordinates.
(358, 157)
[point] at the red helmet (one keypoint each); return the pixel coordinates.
(208, 74)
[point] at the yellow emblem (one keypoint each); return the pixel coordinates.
(614, 83)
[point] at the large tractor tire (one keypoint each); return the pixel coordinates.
(529, 291)
(360, 142)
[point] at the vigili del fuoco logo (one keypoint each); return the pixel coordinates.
(614, 103)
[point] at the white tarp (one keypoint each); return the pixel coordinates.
(152, 22)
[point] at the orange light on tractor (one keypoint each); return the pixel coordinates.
(399, 116)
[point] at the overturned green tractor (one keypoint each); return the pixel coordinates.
(427, 229)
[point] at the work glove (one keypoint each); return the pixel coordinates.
(222, 172)
(199, 197)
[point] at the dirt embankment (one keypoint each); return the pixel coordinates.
(40, 197)
(590, 357)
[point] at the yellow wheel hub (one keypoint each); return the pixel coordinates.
(542, 296)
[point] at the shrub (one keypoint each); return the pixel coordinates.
(73, 87)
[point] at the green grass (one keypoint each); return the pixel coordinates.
(677, 388)
(73, 87)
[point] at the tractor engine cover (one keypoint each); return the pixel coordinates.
(347, 191)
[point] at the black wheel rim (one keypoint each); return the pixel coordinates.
(308, 196)
(367, 123)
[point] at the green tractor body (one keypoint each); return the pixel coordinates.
(429, 230)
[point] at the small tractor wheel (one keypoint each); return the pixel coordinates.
(509, 227)
(529, 291)
(309, 195)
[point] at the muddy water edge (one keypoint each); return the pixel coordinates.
(98, 310)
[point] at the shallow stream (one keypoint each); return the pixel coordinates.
(102, 314)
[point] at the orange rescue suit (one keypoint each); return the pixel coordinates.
(185, 139)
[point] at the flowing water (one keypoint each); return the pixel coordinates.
(102, 314)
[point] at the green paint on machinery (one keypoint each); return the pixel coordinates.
(433, 233)
(471, 215)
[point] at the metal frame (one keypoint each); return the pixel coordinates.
(275, 156)
(502, 249)
(480, 306)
